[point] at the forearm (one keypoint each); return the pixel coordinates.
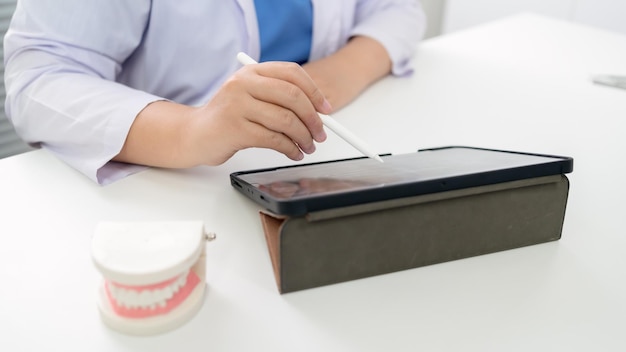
(156, 136)
(345, 74)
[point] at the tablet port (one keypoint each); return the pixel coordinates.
(237, 184)
(263, 198)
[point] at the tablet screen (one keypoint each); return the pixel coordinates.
(301, 181)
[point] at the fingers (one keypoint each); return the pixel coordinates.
(283, 121)
(295, 74)
(271, 105)
(261, 137)
(287, 84)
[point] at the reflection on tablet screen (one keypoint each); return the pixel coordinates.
(349, 175)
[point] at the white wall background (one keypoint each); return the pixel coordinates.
(460, 14)
(434, 12)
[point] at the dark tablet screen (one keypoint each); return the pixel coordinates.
(426, 171)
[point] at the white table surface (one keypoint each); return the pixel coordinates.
(519, 84)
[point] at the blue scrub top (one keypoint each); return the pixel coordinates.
(285, 29)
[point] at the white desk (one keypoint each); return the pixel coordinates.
(519, 84)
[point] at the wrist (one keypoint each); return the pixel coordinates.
(157, 136)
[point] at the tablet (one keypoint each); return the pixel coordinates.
(299, 189)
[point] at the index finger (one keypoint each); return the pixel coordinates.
(315, 95)
(293, 73)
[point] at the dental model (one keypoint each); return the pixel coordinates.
(154, 274)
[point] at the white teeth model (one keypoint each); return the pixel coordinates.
(153, 274)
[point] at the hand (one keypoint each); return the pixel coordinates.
(270, 105)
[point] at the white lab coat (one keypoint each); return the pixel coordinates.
(77, 72)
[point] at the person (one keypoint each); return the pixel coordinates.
(109, 85)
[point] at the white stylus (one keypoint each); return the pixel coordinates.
(328, 121)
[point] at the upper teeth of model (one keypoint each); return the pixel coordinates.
(140, 297)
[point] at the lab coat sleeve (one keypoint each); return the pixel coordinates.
(398, 25)
(61, 61)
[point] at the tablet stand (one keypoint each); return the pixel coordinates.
(342, 244)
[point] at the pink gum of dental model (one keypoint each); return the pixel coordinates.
(175, 301)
